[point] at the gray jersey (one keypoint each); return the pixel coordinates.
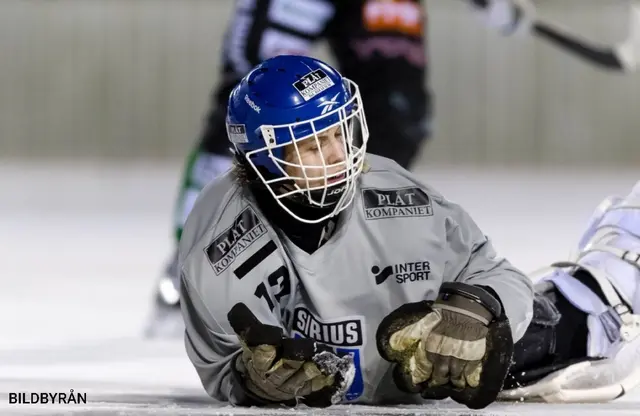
(397, 243)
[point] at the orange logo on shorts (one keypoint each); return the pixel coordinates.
(404, 16)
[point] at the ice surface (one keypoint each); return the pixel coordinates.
(82, 246)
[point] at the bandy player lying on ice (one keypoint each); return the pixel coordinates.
(381, 45)
(314, 273)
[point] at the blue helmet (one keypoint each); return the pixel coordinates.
(279, 110)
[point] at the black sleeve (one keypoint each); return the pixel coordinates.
(257, 30)
(382, 47)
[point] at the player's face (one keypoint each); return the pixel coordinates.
(328, 146)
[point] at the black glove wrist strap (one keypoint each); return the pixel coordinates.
(473, 293)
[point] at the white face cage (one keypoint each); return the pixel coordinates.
(322, 189)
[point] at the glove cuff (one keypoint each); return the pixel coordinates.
(470, 300)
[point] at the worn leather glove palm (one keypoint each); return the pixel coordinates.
(275, 369)
(443, 347)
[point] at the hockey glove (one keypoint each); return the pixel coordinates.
(507, 16)
(275, 369)
(459, 346)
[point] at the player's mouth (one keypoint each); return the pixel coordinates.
(336, 178)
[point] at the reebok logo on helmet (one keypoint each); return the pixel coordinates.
(328, 105)
(253, 105)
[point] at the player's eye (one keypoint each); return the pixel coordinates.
(323, 140)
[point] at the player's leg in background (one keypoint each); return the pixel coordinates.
(584, 341)
(556, 336)
(207, 160)
(258, 29)
(210, 158)
(382, 47)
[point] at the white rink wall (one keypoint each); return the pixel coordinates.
(131, 79)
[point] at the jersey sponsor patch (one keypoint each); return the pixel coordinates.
(413, 271)
(313, 84)
(346, 332)
(400, 16)
(392, 203)
(345, 335)
(225, 248)
(237, 133)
